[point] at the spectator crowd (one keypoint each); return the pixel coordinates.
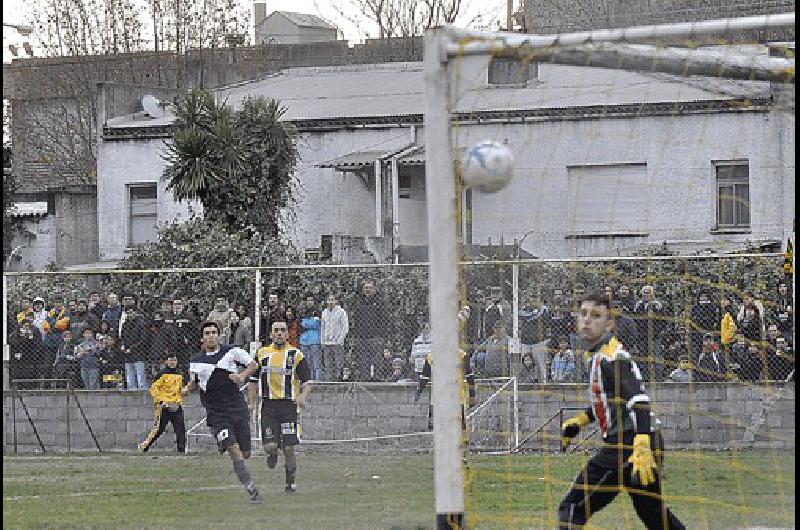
(695, 320)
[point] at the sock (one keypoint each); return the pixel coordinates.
(243, 474)
(290, 475)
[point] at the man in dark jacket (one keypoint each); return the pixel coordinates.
(183, 326)
(134, 343)
(370, 326)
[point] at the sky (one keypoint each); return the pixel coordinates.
(18, 12)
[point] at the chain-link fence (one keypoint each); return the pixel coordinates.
(694, 318)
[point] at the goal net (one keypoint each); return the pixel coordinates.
(645, 159)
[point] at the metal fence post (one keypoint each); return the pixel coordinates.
(257, 309)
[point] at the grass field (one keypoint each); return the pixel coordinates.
(707, 490)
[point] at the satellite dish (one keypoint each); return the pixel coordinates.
(153, 107)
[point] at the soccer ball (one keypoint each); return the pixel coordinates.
(487, 167)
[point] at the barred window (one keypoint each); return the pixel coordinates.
(143, 213)
(733, 194)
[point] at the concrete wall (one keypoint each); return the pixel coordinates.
(693, 416)
(38, 250)
(678, 151)
(120, 164)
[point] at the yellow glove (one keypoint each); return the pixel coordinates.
(644, 465)
(572, 427)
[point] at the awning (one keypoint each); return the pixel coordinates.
(25, 209)
(360, 160)
(414, 158)
(354, 161)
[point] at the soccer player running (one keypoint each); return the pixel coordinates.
(621, 408)
(215, 371)
(285, 382)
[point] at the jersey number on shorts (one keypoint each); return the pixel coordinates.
(222, 435)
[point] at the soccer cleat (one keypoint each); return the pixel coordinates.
(255, 498)
(272, 460)
(291, 488)
(142, 448)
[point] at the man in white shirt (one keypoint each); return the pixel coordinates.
(334, 329)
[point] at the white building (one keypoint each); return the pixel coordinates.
(606, 161)
(285, 27)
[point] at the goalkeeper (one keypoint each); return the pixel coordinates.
(621, 408)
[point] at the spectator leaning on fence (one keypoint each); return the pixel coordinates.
(333, 330)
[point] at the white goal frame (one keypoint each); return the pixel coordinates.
(604, 48)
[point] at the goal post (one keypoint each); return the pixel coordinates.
(627, 48)
(443, 277)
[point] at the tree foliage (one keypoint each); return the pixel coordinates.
(239, 164)
(200, 243)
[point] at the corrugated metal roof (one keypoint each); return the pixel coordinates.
(355, 160)
(305, 20)
(24, 209)
(397, 89)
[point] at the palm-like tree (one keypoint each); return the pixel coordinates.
(238, 164)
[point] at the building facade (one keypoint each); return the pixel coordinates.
(607, 162)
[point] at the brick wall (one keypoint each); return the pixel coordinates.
(707, 416)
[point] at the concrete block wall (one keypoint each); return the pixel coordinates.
(693, 416)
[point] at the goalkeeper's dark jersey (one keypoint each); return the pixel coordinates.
(618, 399)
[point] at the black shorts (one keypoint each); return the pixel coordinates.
(279, 422)
(231, 430)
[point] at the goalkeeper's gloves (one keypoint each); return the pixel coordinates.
(644, 465)
(572, 427)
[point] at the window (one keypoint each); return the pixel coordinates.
(405, 185)
(143, 213)
(511, 72)
(733, 194)
(608, 200)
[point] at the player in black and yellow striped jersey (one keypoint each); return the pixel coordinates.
(166, 392)
(284, 382)
(466, 388)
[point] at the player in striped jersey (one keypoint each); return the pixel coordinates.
(466, 388)
(621, 407)
(284, 381)
(216, 372)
